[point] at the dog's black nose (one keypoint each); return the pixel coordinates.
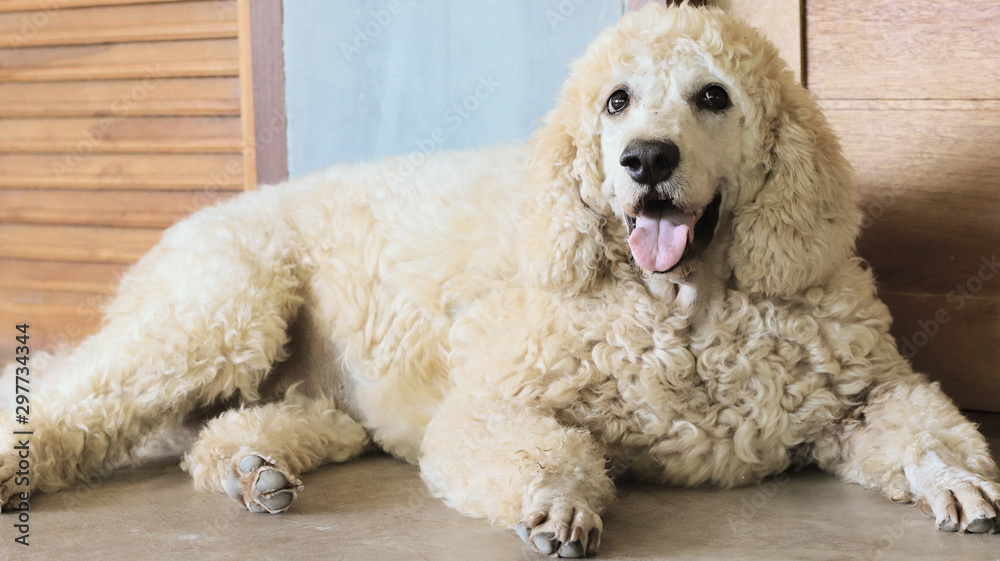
(650, 161)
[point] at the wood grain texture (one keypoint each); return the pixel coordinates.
(83, 170)
(192, 135)
(117, 118)
(126, 208)
(982, 105)
(931, 199)
(121, 98)
(912, 88)
(76, 243)
(51, 5)
(59, 276)
(925, 49)
(268, 78)
(116, 24)
(779, 20)
(150, 61)
(56, 318)
(246, 95)
(957, 345)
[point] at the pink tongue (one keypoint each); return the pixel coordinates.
(659, 238)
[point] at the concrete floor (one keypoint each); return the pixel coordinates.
(377, 508)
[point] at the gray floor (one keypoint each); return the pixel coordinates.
(377, 508)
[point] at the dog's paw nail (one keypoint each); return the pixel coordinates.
(925, 508)
(545, 543)
(277, 502)
(250, 463)
(270, 480)
(948, 525)
(523, 532)
(564, 533)
(232, 488)
(536, 519)
(572, 549)
(255, 508)
(950, 522)
(593, 541)
(980, 526)
(273, 490)
(261, 486)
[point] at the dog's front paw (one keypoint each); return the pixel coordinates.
(959, 500)
(564, 526)
(261, 486)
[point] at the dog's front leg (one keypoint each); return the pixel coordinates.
(516, 465)
(909, 441)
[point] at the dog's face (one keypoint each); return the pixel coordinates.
(671, 141)
(683, 144)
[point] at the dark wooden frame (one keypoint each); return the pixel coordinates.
(262, 68)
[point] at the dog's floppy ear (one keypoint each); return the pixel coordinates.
(801, 224)
(563, 236)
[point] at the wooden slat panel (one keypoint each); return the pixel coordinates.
(149, 61)
(246, 95)
(49, 276)
(55, 317)
(931, 194)
(87, 178)
(267, 73)
(146, 209)
(913, 49)
(122, 171)
(146, 22)
(76, 243)
(121, 98)
(958, 346)
(910, 104)
(48, 5)
(129, 134)
(931, 241)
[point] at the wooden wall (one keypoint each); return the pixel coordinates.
(117, 118)
(913, 90)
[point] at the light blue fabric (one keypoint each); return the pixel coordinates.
(370, 78)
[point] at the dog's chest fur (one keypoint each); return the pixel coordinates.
(728, 401)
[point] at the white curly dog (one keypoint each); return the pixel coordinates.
(662, 281)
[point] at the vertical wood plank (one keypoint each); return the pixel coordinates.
(267, 53)
(246, 95)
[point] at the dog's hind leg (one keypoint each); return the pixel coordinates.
(255, 454)
(201, 317)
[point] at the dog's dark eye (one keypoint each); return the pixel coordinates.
(617, 102)
(713, 98)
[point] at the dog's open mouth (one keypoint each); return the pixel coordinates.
(662, 236)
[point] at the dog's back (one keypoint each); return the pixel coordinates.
(398, 250)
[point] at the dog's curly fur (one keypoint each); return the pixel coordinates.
(482, 314)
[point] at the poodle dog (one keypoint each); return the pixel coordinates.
(662, 282)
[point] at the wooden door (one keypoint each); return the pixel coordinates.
(118, 118)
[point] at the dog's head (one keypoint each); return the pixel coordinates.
(683, 147)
